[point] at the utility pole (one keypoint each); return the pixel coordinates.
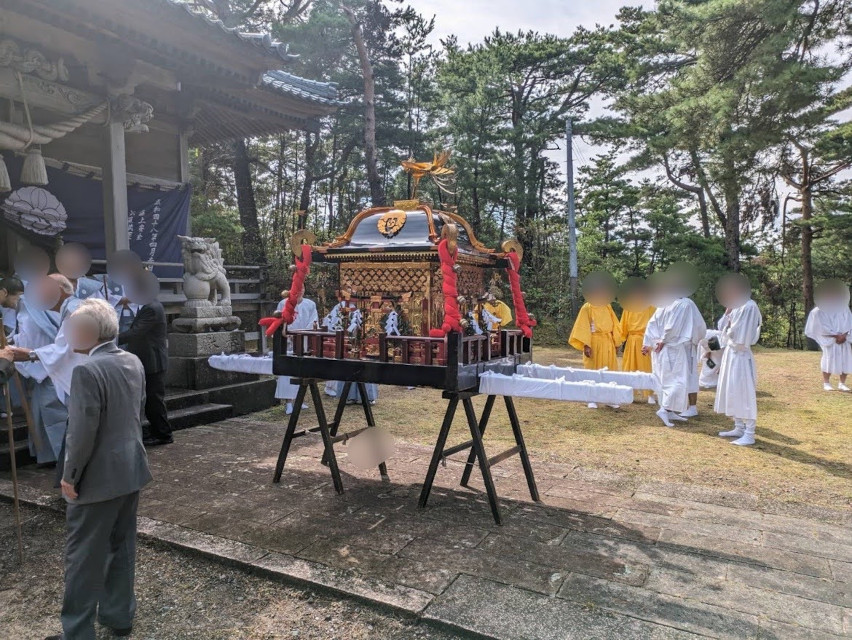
(572, 222)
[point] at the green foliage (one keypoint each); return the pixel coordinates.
(220, 222)
(713, 104)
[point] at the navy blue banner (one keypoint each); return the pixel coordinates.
(71, 207)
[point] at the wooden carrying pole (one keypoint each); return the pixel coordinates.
(13, 464)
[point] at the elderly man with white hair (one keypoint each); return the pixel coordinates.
(105, 467)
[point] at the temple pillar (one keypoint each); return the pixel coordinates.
(115, 187)
(183, 149)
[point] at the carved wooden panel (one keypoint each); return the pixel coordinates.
(386, 278)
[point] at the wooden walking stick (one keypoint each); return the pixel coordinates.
(13, 463)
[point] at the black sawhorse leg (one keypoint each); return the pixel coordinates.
(477, 448)
(328, 431)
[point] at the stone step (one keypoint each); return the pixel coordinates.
(177, 398)
(245, 397)
(22, 454)
(19, 426)
(197, 414)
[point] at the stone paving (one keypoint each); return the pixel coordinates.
(603, 556)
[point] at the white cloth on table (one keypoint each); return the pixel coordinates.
(242, 363)
(639, 380)
(306, 316)
(821, 327)
(736, 394)
(554, 389)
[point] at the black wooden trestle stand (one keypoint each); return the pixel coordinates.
(328, 430)
(330, 436)
(477, 448)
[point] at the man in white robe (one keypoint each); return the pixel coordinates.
(830, 326)
(306, 317)
(736, 393)
(682, 328)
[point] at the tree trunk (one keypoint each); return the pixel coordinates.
(377, 191)
(732, 229)
(253, 252)
(311, 144)
(476, 218)
(519, 197)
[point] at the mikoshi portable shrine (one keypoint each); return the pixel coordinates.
(430, 262)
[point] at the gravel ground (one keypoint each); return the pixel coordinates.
(179, 596)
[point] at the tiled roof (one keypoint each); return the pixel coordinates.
(262, 41)
(280, 81)
(311, 90)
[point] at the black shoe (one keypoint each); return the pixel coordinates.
(121, 633)
(156, 442)
(59, 637)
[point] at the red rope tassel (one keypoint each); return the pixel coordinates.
(288, 313)
(452, 315)
(522, 318)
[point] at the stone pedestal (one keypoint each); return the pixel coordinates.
(200, 319)
(188, 353)
(189, 345)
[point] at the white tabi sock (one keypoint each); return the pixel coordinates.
(289, 409)
(748, 434)
(664, 416)
(651, 400)
(691, 412)
(592, 405)
(842, 387)
(675, 416)
(826, 386)
(736, 432)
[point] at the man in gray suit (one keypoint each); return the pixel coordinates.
(105, 467)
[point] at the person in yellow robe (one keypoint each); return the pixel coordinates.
(500, 313)
(637, 311)
(597, 332)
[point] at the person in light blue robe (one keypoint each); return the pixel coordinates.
(40, 330)
(354, 396)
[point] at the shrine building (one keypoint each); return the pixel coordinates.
(100, 103)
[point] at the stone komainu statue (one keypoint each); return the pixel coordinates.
(204, 273)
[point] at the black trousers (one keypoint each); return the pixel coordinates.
(100, 566)
(155, 406)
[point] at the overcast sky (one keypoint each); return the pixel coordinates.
(472, 20)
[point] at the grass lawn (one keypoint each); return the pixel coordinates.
(804, 435)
